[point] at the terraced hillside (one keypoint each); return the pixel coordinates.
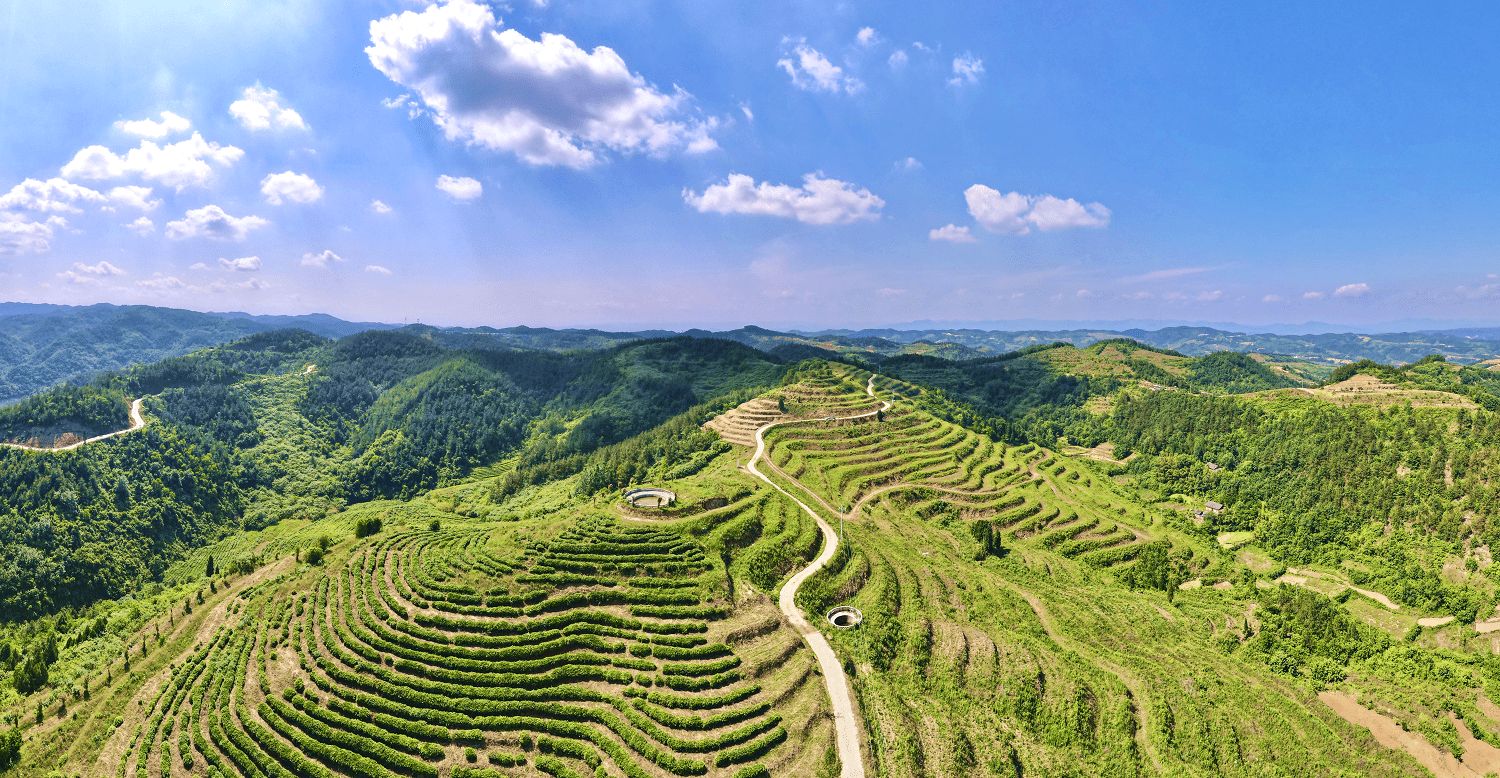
(1022, 617)
(998, 637)
(474, 652)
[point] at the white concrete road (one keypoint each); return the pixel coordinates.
(845, 725)
(136, 422)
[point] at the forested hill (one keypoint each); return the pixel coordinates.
(46, 345)
(38, 350)
(1044, 392)
(287, 424)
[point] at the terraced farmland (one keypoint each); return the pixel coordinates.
(607, 650)
(997, 639)
(1002, 635)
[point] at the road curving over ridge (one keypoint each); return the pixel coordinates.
(845, 726)
(137, 421)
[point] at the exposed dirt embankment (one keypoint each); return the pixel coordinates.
(1480, 758)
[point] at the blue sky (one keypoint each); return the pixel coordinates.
(781, 163)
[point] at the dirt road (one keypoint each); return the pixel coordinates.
(136, 422)
(845, 725)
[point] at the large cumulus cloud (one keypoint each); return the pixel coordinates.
(547, 101)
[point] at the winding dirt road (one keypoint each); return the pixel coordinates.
(846, 727)
(136, 422)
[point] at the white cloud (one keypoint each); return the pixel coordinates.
(261, 109)
(745, 108)
(73, 277)
(547, 101)
(998, 212)
(1271, 298)
(897, 59)
(952, 234)
(148, 128)
(1084, 293)
(254, 283)
(1050, 213)
(1481, 291)
(19, 235)
(246, 264)
(379, 207)
(101, 269)
(161, 283)
(141, 227)
(966, 70)
(889, 292)
(920, 46)
(818, 201)
(1016, 213)
(1141, 295)
(395, 102)
(182, 164)
(867, 37)
(910, 163)
(1210, 296)
(59, 196)
(812, 71)
(320, 260)
(197, 266)
(377, 270)
(51, 196)
(1352, 290)
(461, 188)
(1312, 295)
(296, 187)
(138, 197)
(211, 221)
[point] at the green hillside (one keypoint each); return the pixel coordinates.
(288, 425)
(382, 556)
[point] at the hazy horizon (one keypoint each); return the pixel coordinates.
(1014, 325)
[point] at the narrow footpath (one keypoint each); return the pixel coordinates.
(845, 725)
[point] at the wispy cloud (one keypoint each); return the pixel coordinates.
(1175, 272)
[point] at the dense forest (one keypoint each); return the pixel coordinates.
(83, 410)
(38, 350)
(95, 522)
(1317, 482)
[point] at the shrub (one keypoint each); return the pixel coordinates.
(366, 526)
(10, 747)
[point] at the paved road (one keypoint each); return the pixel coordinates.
(136, 422)
(833, 674)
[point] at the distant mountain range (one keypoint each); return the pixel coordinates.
(43, 345)
(1464, 346)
